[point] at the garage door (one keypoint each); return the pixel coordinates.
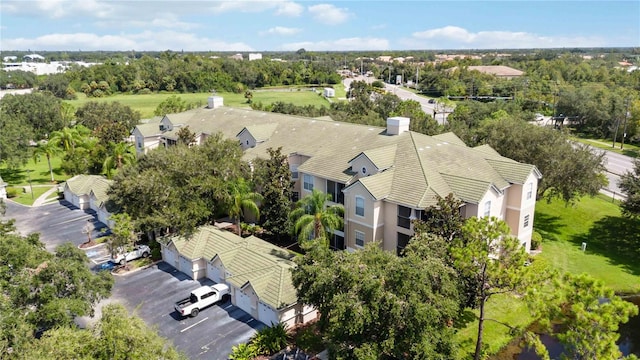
(267, 315)
(185, 266)
(169, 257)
(213, 273)
(243, 301)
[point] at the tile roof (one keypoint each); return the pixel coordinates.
(423, 166)
(250, 261)
(83, 184)
(151, 127)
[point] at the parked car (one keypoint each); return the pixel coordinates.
(201, 298)
(432, 101)
(108, 266)
(138, 252)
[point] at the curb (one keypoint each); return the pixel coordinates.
(91, 247)
(137, 269)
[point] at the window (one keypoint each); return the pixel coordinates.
(294, 172)
(529, 190)
(487, 209)
(404, 217)
(295, 196)
(337, 242)
(403, 241)
(359, 206)
(364, 170)
(308, 182)
(359, 238)
(335, 190)
(526, 220)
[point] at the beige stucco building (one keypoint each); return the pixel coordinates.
(384, 177)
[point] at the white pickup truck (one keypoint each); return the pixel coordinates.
(200, 298)
(138, 252)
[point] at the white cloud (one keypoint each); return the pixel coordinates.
(346, 44)
(281, 30)
(329, 14)
(144, 41)
(281, 7)
(454, 37)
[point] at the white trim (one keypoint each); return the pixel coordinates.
(355, 239)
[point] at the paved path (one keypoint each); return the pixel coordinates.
(42, 199)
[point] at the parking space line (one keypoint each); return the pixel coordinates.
(189, 327)
(76, 219)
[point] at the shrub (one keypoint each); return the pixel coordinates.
(12, 192)
(536, 240)
(243, 352)
(144, 91)
(270, 340)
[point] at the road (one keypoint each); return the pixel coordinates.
(616, 164)
(405, 94)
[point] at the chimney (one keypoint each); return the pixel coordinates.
(215, 102)
(397, 125)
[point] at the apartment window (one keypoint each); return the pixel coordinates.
(335, 190)
(487, 209)
(359, 206)
(337, 242)
(295, 196)
(529, 190)
(526, 220)
(308, 182)
(294, 172)
(404, 217)
(359, 238)
(403, 241)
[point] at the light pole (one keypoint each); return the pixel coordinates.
(30, 186)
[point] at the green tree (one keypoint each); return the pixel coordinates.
(67, 139)
(119, 154)
(41, 290)
(273, 177)
(312, 218)
(117, 335)
(123, 234)
(494, 259)
(242, 201)
(376, 305)
(49, 149)
(15, 139)
(249, 96)
(171, 105)
(590, 314)
(630, 184)
(186, 136)
(110, 121)
(39, 111)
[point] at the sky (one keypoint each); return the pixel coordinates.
(284, 25)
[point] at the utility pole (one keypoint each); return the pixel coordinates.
(626, 117)
(615, 134)
(417, 76)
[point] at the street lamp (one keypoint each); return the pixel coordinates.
(30, 186)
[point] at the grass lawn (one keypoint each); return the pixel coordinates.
(613, 241)
(26, 198)
(606, 144)
(39, 173)
(147, 104)
(504, 308)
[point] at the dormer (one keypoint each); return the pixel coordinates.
(373, 161)
(165, 124)
(251, 136)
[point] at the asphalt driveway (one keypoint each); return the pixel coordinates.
(151, 294)
(57, 223)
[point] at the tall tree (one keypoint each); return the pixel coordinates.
(376, 305)
(39, 111)
(15, 139)
(110, 121)
(49, 149)
(313, 219)
(242, 200)
(171, 105)
(123, 234)
(494, 259)
(186, 136)
(273, 178)
(67, 139)
(630, 184)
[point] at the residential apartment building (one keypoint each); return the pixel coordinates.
(384, 177)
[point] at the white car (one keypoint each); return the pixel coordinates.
(138, 252)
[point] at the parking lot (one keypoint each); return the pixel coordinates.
(152, 292)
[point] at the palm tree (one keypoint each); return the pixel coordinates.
(49, 149)
(243, 199)
(67, 138)
(120, 154)
(312, 217)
